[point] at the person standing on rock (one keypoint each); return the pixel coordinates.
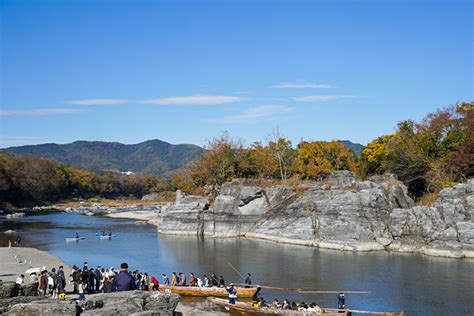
(124, 281)
(61, 280)
(20, 282)
(97, 275)
(43, 283)
(80, 288)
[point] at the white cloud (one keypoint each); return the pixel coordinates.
(252, 115)
(96, 101)
(321, 98)
(38, 112)
(295, 85)
(196, 100)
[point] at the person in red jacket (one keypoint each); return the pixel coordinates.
(154, 283)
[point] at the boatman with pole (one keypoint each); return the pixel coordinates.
(341, 300)
(232, 293)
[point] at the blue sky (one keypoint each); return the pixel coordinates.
(185, 71)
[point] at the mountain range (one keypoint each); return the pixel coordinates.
(152, 156)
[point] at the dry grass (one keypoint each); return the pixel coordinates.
(427, 200)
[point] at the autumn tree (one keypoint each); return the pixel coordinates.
(314, 160)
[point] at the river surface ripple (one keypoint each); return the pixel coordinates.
(416, 284)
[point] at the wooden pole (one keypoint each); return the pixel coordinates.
(303, 291)
(332, 292)
(233, 268)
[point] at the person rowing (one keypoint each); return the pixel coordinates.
(77, 235)
(232, 293)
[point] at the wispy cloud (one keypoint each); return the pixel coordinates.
(296, 85)
(96, 101)
(252, 115)
(37, 112)
(196, 100)
(321, 98)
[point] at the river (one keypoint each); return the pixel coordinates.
(416, 284)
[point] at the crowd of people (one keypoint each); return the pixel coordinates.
(88, 280)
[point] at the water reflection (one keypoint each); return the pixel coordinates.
(416, 284)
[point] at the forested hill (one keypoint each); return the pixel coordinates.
(153, 156)
(150, 157)
(355, 147)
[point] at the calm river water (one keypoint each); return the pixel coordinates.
(416, 284)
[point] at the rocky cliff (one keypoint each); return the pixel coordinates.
(338, 213)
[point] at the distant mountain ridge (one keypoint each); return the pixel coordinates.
(153, 156)
(355, 147)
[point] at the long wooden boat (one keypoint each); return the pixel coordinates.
(247, 309)
(208, 291)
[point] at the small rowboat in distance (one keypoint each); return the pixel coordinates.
(247, 309)
(70, 239)
(208, 291)
(106, 236)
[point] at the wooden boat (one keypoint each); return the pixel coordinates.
(247, 309)
(208, 291)
(69, 239)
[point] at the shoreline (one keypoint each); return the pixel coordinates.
(339, 245)
(17, 260)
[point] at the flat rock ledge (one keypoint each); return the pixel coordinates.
(110, 304)
(339, 213)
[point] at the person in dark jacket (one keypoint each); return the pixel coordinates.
(248, 280)
(213, 280)
(221, 281)
(97, 275)
(108, 286)
(124, 281)
(341, 301)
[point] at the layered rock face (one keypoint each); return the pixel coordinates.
(113, 304)
(338, 213)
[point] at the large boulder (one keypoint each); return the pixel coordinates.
(8, 289)
(340, 212)
(113, 304)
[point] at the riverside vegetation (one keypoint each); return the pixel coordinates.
(426, 156)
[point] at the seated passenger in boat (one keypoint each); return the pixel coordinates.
(276, 303)
(303, 306)
(166, 280)
(182, 279)
(314, 307)
(213, 280)
(205, 281)
(294, 306)
(286, 304)
(221, 281)
(174, 279)
(192, 279)
(262, 303)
